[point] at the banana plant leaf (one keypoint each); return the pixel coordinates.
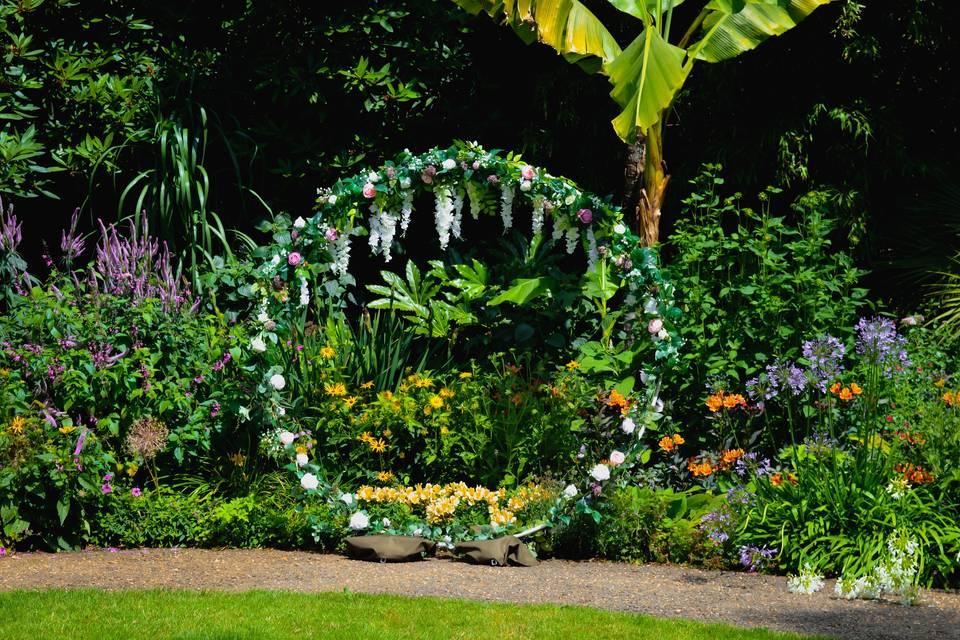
(733, 27)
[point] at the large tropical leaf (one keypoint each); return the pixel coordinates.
(637, 8)
(646, 77)
(566, 25)
(732, 27)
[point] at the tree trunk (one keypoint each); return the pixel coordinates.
(645, 182)
(655, 180)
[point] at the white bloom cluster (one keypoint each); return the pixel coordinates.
(271, 444)
(406, 208)
(443, 216)
(304, 292)
(573, 236)
(807, 583)
(359, 520)
(538, 216)
(457, 213)
(506, 205)
(895, 573)
(559, 226)
(341, 262)
(898, 488)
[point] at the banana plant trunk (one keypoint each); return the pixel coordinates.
(646, 180)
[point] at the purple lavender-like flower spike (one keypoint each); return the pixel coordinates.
(10, 234)
(71, 244)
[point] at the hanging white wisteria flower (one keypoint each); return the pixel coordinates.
(573, 237)
(506, 206)
(457, 213)
(388, 229)
(559, 226)
(443, 216)
(537, 224)
(341, 261)
(374, 223)
(406, 209)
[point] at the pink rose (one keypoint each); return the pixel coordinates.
(527, 172)
(585, 215)
(493, 179)
(391, 173)
(617, 457)
(293, 259)
(476, 165)
(369, 190)
(330, 234)
(655, 325)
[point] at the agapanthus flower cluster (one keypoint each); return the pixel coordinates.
(755, 558)
(783, 376)
(807, 583)
(895, 573)
(825, 357)
(879, 344)
(718, 525)
(753, 464)
(820, 443)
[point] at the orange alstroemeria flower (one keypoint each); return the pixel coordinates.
(855, 388)
(835, 388)
(846, 394)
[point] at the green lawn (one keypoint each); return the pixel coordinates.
(183, 615)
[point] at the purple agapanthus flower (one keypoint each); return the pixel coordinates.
(752, 463)
(784, 375)
(718, 525)
(825, 355)
(755, 558)
(820, 443)
(879, 344)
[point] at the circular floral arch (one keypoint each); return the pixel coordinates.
(379, 203)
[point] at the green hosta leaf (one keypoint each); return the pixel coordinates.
(645, 78)
(735, 26)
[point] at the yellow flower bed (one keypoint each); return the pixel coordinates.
(441, 501)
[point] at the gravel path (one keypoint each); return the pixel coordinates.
(660, 590)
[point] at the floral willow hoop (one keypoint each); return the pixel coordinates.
(378, 201)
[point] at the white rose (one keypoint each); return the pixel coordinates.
(302, 459)
(258, 345)
(449, 163)
(620, 229)
(600, 472)
(373, 176)
(628, 425)
(404, 183)
(287, 438)
(662, 334)
(359, 520)
(570, 491)
(617, 457)
(347, 499)
(299, 223)
(309, 482)
(332, 200)
(525, 185)
(277, 381)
